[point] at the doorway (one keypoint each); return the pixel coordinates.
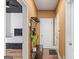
(46, 32)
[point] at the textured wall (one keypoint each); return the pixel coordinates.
(32, 12)
(61, 12)
(46, 14)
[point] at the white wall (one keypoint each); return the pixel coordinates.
(16, 21)
(13, 20)
(8, 25)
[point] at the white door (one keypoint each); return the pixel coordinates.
(57, 32)
(46, 32)
(69, 30)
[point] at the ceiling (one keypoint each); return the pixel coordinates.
(46, 4)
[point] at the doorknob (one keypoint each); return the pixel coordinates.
(70, 43)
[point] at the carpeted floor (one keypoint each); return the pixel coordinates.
(47, 55)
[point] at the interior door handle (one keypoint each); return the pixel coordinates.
(70, 43)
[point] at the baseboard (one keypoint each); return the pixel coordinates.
(59, 56)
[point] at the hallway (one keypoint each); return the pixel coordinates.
(46, 54)
(40, 29)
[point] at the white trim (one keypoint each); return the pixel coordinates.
(65, 25)
(24, 1)
(57, 31)
(59, 56)
(25, 27)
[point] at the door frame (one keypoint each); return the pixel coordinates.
(57, 28)
(53, 24)
(25, 29)
(68, 19)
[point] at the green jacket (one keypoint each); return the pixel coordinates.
(34, 39)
